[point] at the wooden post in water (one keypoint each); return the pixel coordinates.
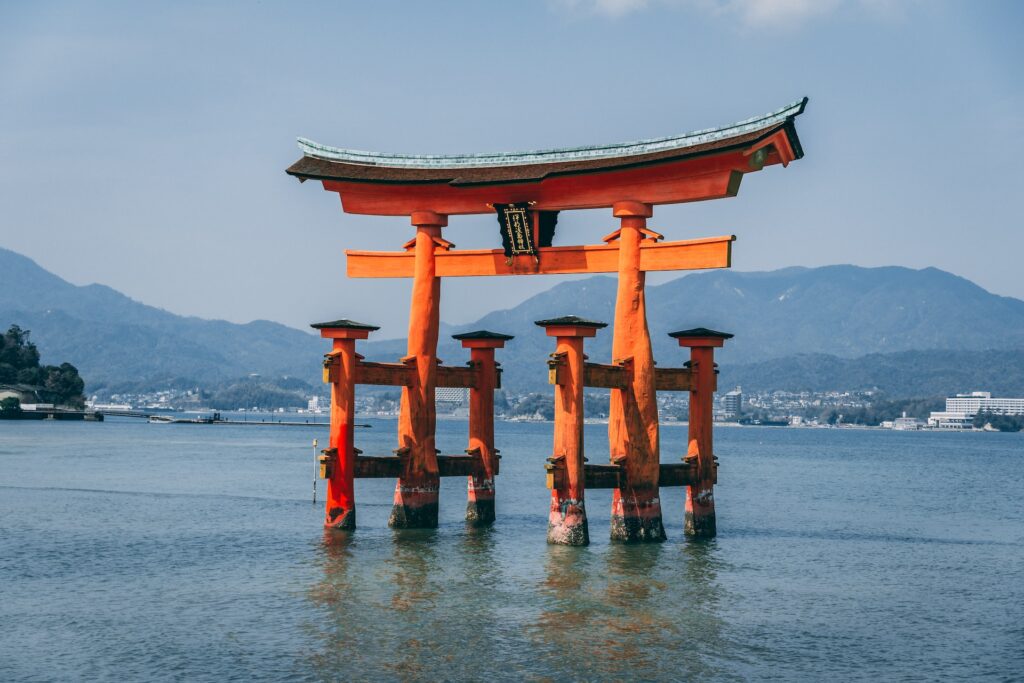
(416, 492)
(567, 520)
(633, 409)
(337, 463)
(480, 495)
(700, 496)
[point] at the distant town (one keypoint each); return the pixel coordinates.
(977, 410)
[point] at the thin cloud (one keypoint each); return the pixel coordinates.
(779, 12)
(610, 8)
(750, 13)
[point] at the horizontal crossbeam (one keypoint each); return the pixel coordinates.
(601, 376)
(711, 252)
(387, 374)
(614, 476)
(390, 466)
(404, 375)
(604, 376)
(454, 376)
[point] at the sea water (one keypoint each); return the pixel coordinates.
(134, 551)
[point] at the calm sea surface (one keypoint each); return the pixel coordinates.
(131, 551)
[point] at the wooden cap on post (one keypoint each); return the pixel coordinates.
(344, 329)
(570, 326)
(482, 339)
(700, 336)
(428, 218)
(630, 209)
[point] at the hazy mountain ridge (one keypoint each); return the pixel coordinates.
(115, 340)
(839, 312)
(905, 374)
(790, 326)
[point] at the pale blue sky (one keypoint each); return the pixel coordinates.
(143, 145)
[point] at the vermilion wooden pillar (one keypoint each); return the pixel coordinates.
(700, 497)
(567, 520)
(416, 492)
(480, 496)
(339, 457)
(633, 410)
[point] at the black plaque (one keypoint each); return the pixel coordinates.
(516, 229)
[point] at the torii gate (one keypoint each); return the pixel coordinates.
(630, 179)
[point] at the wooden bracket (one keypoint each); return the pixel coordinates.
(646, 232)
(439, 242)
(779, 142)
(556, 368)
(332, 364)
(327, 460)
(555, 470)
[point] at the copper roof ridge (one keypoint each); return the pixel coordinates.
(315, 150)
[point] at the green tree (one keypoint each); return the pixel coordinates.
(1004, 423)
(62, 385)
(10, 405)
(19, 364)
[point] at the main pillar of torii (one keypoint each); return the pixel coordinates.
(633, 409)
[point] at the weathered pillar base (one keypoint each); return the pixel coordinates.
(340, 518)
(567, 523)
(415, 507)
(636, 516)
(480, 504)
(699, 521)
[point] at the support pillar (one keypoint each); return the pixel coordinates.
(567, 520)
(633, 410)
(416, 492)
(700, 497)
(338, 460)
(480, 495)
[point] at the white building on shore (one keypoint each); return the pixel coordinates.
(962, 408)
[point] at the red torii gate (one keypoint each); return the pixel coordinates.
(630, 179)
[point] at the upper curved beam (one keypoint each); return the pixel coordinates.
(553, 156)
(706, 164)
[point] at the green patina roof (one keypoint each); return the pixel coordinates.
(699, 332)
(482, 334)
(343, 324)
(570, 320)
(546, 156)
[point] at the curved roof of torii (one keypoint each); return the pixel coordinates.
(321, 162)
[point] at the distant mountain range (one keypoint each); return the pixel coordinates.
(117, 342)
(835, 327)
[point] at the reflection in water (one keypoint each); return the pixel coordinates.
(429, 605)
(630, 612)
(332, 626)
(702, 628)
(421, 606)
(416, 583)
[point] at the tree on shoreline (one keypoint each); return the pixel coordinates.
(1004, 423)
(19, 365)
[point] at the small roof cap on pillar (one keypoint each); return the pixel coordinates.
(482, 339)
(700, 332)
(570, 320)
(482, 334)
(344, 329)
(570, 326)
(700, 336)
